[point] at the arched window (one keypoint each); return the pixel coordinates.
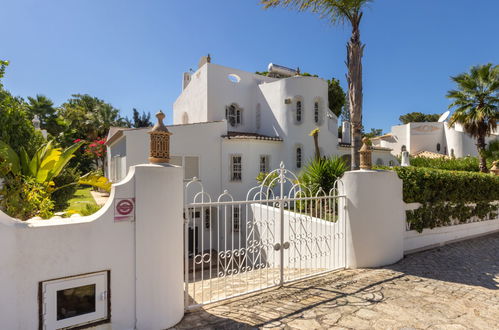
(403, 148)
(258, 118)
(438, 146)
(316, 112)
(452, 153)
(234, 115)
(298, 157)
(379, 162)
(299, 113)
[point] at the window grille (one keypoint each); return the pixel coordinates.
(235, 219)
(236, 168)
(264, 163)
(233, 115)
(207, 218)
(298, 157)
(298, 111)
(438, 146)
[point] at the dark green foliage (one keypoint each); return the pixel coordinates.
(336, 96)
(417, 117)
(373, 133)
(24, 198)
(322, 173)
(468, 164)
(66, 179)
(43, 107)
(447, 195)
(141, 120)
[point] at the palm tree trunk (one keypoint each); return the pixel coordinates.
(355, 50)
(481, 154)
(316, 145)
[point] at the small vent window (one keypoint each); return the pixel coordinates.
(316, 112)
(299, 113)
(298, 157)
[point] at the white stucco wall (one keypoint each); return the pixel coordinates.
(146, 273)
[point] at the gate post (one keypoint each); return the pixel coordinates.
(375, 218)
(159, 287)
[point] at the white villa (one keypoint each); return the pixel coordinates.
(229, 125)
(430, 139)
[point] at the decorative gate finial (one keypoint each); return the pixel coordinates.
(495, 167)
(365, 154)
(160, 141)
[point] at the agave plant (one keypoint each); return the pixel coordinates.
(46, 164)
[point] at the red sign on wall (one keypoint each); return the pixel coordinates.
(124, 209)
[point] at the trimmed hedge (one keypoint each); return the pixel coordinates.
(469, 164)
(447, 195)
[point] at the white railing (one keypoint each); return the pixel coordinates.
(281, 232)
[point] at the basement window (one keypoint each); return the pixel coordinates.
(73, 302)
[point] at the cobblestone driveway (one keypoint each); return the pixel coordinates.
(452, 287)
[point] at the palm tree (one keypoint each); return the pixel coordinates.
(476, 101)
(337, 12)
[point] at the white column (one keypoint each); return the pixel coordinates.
(159, 246)
(375, 218)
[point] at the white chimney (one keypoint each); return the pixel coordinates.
(186, 80)
(345, 132)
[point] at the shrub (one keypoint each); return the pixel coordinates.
(469, 164)
(447, 195)
(66, 179)
(323, 173)
(23, 198)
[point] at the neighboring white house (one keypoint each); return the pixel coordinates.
(430, 137)
(229, 125)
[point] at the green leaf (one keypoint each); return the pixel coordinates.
(10, 158)
(94, 180)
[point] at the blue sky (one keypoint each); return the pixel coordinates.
(133, 53)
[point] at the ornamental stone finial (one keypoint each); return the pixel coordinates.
(365, 155)
(160, 141)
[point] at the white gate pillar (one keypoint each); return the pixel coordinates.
(159, 246)
(375, 218)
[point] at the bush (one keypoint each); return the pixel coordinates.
(63, 195)
(447, 195)
(23, 198)
(323, 173)
(469, 164)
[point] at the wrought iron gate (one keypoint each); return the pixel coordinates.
(283, 231)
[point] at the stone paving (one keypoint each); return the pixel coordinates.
(452, 287)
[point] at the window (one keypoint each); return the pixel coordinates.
(235, 168)
(379, 162)
(438, 146)
(190, 164)
(236, 219)
(316, 112)
(298, 112)
(185, 118)
(298, 157)
(116, 168)
(264, 163)
(390, 163)
(258, 118)
(234, 115)
(403, 148)
(75, 301)
(191, 167)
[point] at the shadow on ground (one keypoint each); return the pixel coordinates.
(472, 262)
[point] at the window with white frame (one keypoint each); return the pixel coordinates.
(264, 163)
(234, 115)
(236, 168)
(316, 112)
(299, 111)
(299, 151)
(190, 164)
(75, 301)
(236, 219)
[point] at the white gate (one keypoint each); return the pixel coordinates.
(283, 231)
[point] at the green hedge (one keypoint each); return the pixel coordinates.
(469, 164)
(447, 194)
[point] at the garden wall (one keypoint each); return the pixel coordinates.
(146, 278)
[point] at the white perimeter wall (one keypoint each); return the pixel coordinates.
(146, 277)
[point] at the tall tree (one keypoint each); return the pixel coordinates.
(476, 102)
(141, 120)
(43, 107)
(339, 12)
(336, 96)
(418, 117)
